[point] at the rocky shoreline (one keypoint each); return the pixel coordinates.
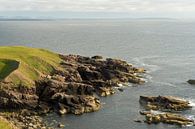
(75, 87)
(72, 88)
(164, 109)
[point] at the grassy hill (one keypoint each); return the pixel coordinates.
(24, 65)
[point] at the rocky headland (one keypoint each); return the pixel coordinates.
(72, 87)
(35, 82)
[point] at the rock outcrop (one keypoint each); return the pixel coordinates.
(20, 97)
(164, 103)
(168, 118)
(73, 88)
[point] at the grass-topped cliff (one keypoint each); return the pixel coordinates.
(24, 65)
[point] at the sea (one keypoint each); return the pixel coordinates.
(164, 47)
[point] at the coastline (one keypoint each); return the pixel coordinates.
(69, 88)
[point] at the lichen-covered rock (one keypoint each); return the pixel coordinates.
(168, 103)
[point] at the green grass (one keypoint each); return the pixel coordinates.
(5, 125)
(25, 65)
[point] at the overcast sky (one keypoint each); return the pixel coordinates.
(99, 8)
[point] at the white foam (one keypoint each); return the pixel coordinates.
(192, 102)
(191, 117)
(150, 67)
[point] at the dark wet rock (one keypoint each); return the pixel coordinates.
(168, 103)
(43, 108)
(168, 118)
(77, 104)
(121, 89)
(191, 82)
(97, 57)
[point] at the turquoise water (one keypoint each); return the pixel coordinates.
(165, 48)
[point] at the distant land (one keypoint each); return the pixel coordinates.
(53, 19)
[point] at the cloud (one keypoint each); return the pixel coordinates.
(126, 6)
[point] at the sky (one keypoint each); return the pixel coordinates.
(98, 8)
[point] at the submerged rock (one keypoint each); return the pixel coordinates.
(168, 103)
(138, 121)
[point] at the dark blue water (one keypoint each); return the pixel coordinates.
(165, 48)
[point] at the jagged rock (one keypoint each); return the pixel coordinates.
(17, 100)
(164, 103)
(78, 104)
(191, 82)
(169, 118)
(82, 77)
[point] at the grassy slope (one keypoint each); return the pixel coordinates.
(4, 124)
(24, 65)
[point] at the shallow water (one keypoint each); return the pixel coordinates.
(164, 48)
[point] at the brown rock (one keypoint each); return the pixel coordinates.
(164, 103)
(168, 118)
